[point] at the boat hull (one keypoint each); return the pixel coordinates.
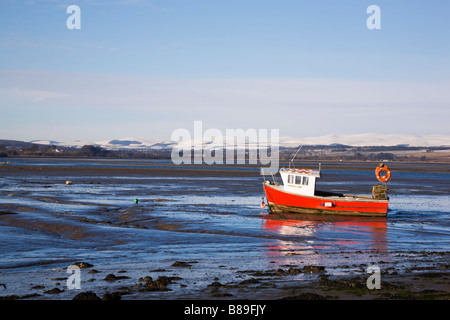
(280, 201)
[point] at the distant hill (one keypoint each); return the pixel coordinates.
(353, 140)
(15, 143)
(363, 147)
(370, 139)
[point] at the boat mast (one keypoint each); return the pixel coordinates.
(292, 160)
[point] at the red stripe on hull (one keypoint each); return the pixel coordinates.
(282, 201)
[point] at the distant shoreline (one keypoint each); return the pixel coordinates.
(335, 152)
(213, 170)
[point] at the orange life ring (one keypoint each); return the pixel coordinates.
(383, 178)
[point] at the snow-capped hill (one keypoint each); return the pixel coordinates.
(45, 142)
(355, 140)
(370, 139)
(134, 143)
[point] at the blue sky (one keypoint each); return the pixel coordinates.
(145, 68)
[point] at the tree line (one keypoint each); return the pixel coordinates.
(332, 153)
(87, 151)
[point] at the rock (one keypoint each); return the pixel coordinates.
(59, 279)
(215, 284)
(112, 296)
(250, 281)
(87, 295)
(156, 285)
(159, 270)
(16, 297)
(313, 269)
(307, 296)
(289, 271)
(280, 271)
(112, 277)
(294, 271)
(146, 279)
(54, 291)
(346, 283)
(181, 264)
(153, 286)
(38, 287)
(82, 265)
(10, 297)
(218, 294)
(164, 280)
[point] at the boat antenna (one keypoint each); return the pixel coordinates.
(292, 160)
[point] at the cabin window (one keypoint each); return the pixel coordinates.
(290, 178)
(297, 179)
(305, 181)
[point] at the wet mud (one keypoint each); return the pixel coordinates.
(200, 234)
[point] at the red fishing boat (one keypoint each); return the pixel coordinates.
(298, 194)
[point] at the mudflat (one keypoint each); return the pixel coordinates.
(200, 234)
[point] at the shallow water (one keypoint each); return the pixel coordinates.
(216, 218)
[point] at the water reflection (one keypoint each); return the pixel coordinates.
(301, 232)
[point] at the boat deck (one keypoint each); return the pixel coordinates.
(341, 196)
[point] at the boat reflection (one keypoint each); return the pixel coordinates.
(300, 233)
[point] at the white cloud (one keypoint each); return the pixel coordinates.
(28, 95)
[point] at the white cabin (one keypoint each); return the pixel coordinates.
(300, 181)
